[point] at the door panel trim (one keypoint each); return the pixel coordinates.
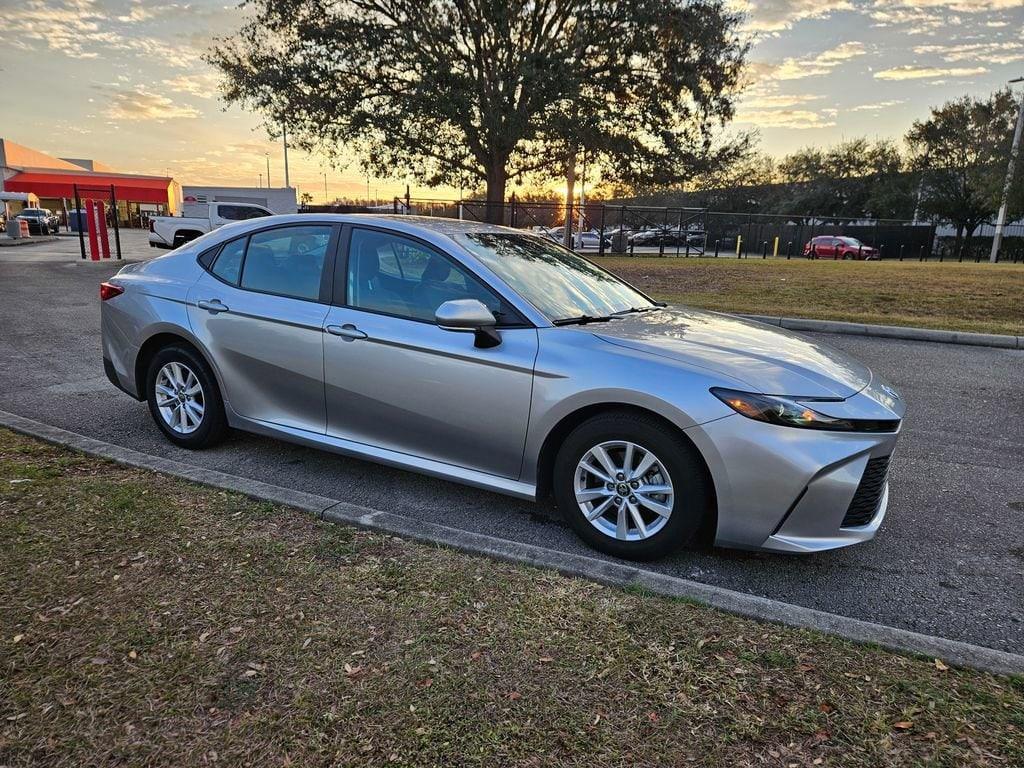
(397, 459)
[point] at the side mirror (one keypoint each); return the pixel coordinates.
(472, 316)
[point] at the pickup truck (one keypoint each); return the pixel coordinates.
(174, 231)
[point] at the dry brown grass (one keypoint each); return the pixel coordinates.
(147, 621)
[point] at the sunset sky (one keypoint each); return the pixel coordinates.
(122, 81)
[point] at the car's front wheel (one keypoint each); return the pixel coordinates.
(631, 486)
(184, 399)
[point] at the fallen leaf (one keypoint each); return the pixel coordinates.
(545, 659)
(940, 666)
(18, 638)
(903, 725)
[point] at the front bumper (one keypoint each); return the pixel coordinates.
(787, 489)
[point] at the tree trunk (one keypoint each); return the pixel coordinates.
(958, 240)
(570, 196)
(497, 178)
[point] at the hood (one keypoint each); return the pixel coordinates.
(768, 359)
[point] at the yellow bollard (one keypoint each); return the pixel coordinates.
(775, 250)
(739, 243)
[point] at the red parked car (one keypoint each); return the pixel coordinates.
(839, 247)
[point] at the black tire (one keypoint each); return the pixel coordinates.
(693, 498)
(214, 426)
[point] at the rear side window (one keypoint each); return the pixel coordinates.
(239, 212)
(228, 265)
(288, 261)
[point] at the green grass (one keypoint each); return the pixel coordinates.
(983, 298)
(147, 621)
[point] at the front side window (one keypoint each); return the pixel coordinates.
(556, 281)
(288, 261)
(397, 276)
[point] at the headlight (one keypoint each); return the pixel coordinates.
(792, 413)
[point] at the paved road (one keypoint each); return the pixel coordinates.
(948, 561)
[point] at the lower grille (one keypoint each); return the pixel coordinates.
(865, 501)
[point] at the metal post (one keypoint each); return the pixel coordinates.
(664, 229)
(901, 251)
(789, 250)
(512, 211)
(679, 233)
(78, 215)
(717, 243)
(117, 229)
(764, 250)
(600, 237)
(997, 240)
(284, 137)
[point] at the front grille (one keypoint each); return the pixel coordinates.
(869, 493)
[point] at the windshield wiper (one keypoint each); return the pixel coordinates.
(582, 320)
(632, 310)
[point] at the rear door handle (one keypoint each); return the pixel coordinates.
(212, 305)
(347, 331)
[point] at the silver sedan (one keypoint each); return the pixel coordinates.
(494, 357)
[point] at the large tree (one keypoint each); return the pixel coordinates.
(961, 152)
(853, 179)
(464, 92)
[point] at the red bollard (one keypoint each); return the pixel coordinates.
(101, 220)
(94, 244)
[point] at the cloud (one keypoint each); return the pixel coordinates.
(139, 105)
(777, 15)
(990, 52)
(928, 16)
(203, 84)
(799, 67)
(914, 72)
(799, 119)
(777, 100)
(877, 106)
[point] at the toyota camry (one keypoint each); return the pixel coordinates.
(496, 358)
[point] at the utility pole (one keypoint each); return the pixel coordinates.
(284, 135)
(261, 181)
(326, 201)
(997, 240)
(267, 155)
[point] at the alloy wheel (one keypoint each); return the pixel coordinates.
(623, 490)
(180, 398)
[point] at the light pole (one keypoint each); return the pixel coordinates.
(997, 239)
(261, 181)
(326, 201)
(267, 154)
(284, 137)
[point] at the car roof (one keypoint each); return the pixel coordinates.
(400, 223)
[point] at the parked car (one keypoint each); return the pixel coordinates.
(580, 240)
(668, 236)
(496, 358)
(175, 231)
(839, 247)
(41, 221)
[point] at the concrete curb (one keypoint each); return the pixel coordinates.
(612, 573)
(891, 331)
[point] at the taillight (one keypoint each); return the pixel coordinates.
(109, 291)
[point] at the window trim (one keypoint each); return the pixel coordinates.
(326, 277)
(340, 297)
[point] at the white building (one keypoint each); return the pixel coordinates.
(277, 199)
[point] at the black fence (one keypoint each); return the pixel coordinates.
(603, 229)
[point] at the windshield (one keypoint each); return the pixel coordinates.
(556, 281)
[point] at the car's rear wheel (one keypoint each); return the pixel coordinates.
(184, 399)
(631, 486)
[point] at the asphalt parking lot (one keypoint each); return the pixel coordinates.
(948, 561)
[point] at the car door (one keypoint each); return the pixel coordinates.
(260, 309)
(395, 380)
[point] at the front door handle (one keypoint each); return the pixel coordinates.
(212, 305)
(347, 331)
